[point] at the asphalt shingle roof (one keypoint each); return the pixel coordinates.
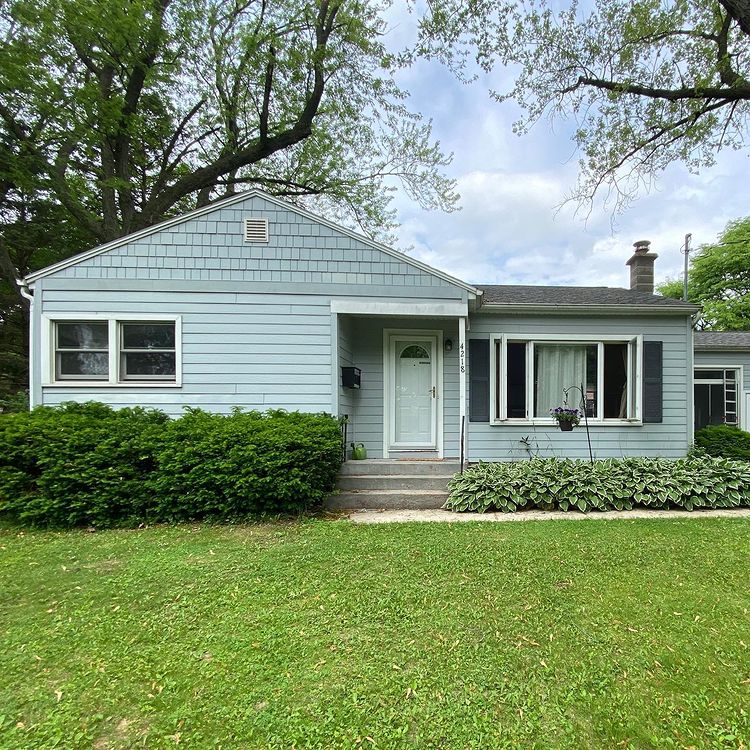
(722, 339)
(575, 295)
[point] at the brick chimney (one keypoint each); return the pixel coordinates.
(642, 267)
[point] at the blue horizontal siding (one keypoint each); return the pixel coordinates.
(668, 438)
(259, 354)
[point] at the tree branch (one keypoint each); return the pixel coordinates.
(259, 149)
(652, 140)
(169, 150)
(738, 93)
(146, 60)
(267, 86)
(57, 176)
(724, 62)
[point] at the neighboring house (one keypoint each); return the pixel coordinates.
(253, 302)
(722, 378)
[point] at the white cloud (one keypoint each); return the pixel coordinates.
(510, 229)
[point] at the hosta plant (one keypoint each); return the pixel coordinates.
(611, 484)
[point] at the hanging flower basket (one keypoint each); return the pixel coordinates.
(566, 417)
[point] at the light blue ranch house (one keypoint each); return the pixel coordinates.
(252, 302)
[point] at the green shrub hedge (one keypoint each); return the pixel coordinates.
(555, 484)
(90, 465)
(213, 466)
(724, 441)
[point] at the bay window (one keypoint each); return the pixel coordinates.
(532, 375)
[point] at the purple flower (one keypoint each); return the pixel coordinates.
(566, 414)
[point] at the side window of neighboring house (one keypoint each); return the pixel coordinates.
(716, 396)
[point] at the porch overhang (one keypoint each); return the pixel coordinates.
(401, 308)
(397, 315)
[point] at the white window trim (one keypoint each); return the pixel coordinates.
(734, 366)
(530, 338)
(114, 380)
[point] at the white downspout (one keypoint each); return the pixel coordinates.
(26, 294)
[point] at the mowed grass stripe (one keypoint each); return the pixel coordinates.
(320, 634)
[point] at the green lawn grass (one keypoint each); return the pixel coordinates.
(323, 634)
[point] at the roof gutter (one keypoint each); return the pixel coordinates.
(24, 290)
(520, 309)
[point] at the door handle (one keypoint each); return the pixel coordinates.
(432, 390)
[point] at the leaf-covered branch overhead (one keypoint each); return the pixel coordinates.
(646, 83)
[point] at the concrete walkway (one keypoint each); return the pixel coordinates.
(442, 516)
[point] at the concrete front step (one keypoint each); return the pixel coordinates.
(394, 482)
(387, 500)
(372, 466)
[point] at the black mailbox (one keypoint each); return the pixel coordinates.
(351, 377)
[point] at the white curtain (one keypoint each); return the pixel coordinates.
(558, 367)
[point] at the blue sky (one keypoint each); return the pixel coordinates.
(509, 229)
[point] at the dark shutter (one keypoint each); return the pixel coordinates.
(479, 380)
(652, 381)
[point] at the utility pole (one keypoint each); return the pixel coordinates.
(686, 252)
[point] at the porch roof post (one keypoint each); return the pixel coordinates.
(462, 390)
(334, 364)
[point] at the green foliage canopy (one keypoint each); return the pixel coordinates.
(719, 279)
(116, 115)
(125, 113)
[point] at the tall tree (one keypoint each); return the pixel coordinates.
(116, 114)
(648, 83)
(719, 279)
(124, 112)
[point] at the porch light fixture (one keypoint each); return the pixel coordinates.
(448, 345)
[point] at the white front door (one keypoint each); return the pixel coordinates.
(414, 382)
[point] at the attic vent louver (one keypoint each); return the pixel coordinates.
(256, 230)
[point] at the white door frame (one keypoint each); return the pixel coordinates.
(390, 335)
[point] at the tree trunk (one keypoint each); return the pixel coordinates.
(9, 271)
(740, 11)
